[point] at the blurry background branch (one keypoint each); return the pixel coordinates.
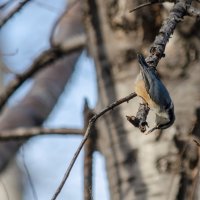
(37, 104)
(45, 59)
(24, 133)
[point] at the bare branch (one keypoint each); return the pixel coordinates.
(197, 142)
(176, 15)
(44, 60)
(14, 10)
(24, 133)
(140, 120)
(86, 135)
(141, 6)
(157, 50)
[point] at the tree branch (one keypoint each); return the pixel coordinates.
(140, 120)
(14, 10)
(86, 136)
(24, 133)
(176, 15)
(157, 50)
(45, 59)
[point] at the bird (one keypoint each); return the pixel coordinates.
(150, 88)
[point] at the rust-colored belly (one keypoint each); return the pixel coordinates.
(141, 91)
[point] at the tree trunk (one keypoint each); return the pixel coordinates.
(155, 166)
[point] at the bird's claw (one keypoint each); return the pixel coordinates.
(151, 130)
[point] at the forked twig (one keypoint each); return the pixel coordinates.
(87, 134)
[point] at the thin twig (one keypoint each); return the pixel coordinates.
(14, 10)
(141, 6)
(149, 3)
(197, 142)
(24, 133)
(44, 60)
(35, 196)
(86, 135)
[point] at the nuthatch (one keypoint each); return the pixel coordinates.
(150, 88)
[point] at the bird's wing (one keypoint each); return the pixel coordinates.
(154, 86)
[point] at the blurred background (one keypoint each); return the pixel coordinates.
(22, 39)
